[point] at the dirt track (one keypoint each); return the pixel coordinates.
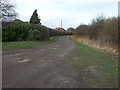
(46, 66)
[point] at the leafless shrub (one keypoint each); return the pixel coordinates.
(81, 30)
(101, 29)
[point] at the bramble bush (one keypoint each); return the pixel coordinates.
(16, 32)
(21, 31)
(54, 32)
(44, 30)
(34, 35)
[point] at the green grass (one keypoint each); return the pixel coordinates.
(26, 44)
(105, 67)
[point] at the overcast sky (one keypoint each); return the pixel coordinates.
(71, 12)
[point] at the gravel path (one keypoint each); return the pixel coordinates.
(46, 66)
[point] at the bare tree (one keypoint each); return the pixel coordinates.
(7, 11)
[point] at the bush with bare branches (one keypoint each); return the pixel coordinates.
(104, 30)
(7, 10)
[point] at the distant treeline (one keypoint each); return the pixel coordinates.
(21, 31)
(104, 30)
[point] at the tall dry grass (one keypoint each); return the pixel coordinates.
(101, 32)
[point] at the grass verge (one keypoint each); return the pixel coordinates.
(98, 69)
(26, 44)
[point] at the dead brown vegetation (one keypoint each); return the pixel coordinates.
(101, 32)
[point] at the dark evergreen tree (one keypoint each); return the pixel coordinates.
(34, 18)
